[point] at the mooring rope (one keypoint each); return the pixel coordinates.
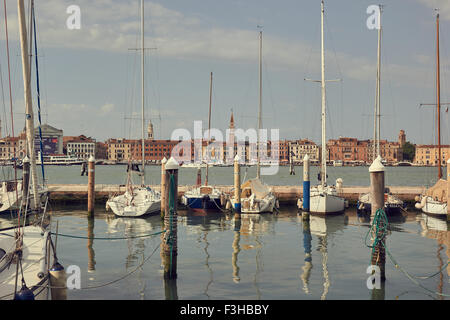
(380, 227)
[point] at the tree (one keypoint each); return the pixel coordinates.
(409, 151)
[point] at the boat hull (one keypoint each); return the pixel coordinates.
(32, 256)
(202, 204)
(140, 204)
(324, 203)
(266, 205)
(434, 207)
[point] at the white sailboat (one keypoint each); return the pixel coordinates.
(137, 200)
(434, 200)
(324, 199)
(257, 197)
(392, 204)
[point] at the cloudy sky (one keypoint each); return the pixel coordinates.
(90, 77)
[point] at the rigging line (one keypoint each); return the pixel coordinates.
(6, 130)
(10, 97)
(38, 97)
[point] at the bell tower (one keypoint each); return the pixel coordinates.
(150, 134)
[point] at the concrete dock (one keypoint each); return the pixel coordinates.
(72, 193)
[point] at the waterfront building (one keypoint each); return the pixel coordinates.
(429, 154)
(52, 140)
(101, 151)
(303, 147)
(81, 147)
(119, 150)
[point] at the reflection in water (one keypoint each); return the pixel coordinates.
(207, 264)
(324, 227)
(437, 228)
(379, 294)
(308, 258)
(236, 250)
(132, 227)
(90, 244)
(258, 267)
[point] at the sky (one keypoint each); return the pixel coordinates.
(90, 79)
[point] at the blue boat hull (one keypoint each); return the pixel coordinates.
(204, 204)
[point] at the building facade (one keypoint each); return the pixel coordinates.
(81, 147)
(428, 155)
(52, 140)
(300, 148)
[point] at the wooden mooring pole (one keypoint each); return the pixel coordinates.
(163, 186)
(170, 245)
(448, 190)
(376, 171)
(91, 186)
(237, 188)
(306, 188)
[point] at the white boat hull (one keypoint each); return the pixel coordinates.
(430, 206)
(326, 201)
(144, 202)
(33, 254)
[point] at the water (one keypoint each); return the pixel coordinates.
(352, 176)
(263, 257)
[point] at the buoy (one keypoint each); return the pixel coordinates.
(228, 205)
(58, 282)
(24, 293)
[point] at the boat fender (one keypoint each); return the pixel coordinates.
(421, 204)
(360, 205)
(228, 205)
(299, 204)
(24, 293)
(277, 204)
(43, 262)
(339, 183)
(58, 282)
(222, 199)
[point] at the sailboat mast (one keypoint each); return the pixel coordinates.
(377, 115)
(28, 101)
(209, 124)
(143, 92)
(258, 166)
(438, 97)
(324, 149)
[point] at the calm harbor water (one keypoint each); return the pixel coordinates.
(261, 257)
(352, 176)
(268, 256)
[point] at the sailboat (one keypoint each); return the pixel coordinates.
(392, 204)
(256, 197)
(137, 200)
(434, 199)
(204, 198)
(325, 199)
(27, 252)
